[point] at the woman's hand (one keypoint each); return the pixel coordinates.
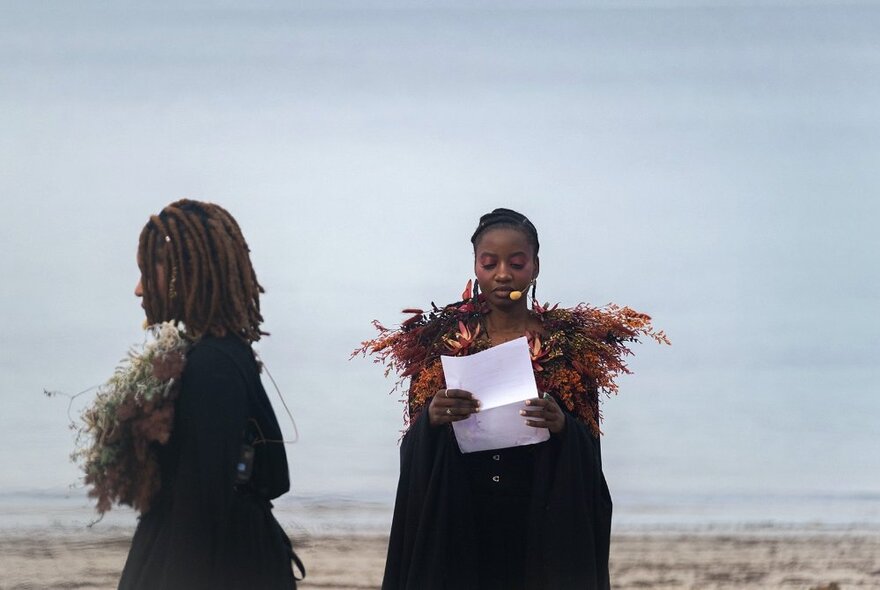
(544, 412)
(452, 405)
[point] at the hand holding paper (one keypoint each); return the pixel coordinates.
(451, 405)
(502, 379)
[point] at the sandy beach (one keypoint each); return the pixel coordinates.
(92, 559)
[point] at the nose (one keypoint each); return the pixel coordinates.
(139, 289)
(503, 273)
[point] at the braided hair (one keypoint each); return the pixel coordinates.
(507, 218)
(206, 270)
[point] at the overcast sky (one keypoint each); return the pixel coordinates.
(715, 165)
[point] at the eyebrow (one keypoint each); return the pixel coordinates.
(493, 255)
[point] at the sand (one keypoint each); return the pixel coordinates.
(91, 559)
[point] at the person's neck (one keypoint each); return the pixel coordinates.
(506, 321)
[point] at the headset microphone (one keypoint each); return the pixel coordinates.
(515, 295)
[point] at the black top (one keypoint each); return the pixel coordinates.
(206, 530)
(545, 522)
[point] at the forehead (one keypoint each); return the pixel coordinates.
(504, 240)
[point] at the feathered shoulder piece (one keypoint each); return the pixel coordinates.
(578, 354)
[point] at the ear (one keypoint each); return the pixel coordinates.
(537, 268)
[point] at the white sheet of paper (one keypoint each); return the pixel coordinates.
(502, 379)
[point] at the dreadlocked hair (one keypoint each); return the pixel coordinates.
(204, 261)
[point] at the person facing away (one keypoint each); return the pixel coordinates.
(535, 516)
(210, 524)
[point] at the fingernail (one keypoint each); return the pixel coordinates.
(528, 402)
(522, 412)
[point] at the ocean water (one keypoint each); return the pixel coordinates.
(712, 163)
(305, 516)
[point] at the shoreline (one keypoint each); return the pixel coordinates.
(91, 559)
(329, 514)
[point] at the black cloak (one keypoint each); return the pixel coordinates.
(434, 540)
(205, 530)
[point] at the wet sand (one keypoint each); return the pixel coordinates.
(92, 559)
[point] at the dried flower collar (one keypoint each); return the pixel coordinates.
(132, 413)
(579, 353)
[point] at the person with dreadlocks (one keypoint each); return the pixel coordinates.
(210, 524)
(533, 516)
